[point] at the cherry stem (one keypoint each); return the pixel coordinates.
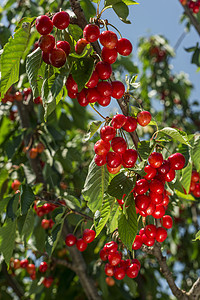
(115, 29)
(97, 112)
(99, 15)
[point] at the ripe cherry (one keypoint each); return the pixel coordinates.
(89, 235)
(148, 241)
(100, 160)
(164, 168)
(177, 161)
(80, 45)
(61, 20)
(30, 269)
(129, 157)
(150, 231)
(136, 261)
(43, 267)
(109, 270)
(93, 95)
(103, 255)
(101, 147)
(124, 47)
(70, 240)
(151, 172)
(142, 202)
(44, 25)
(82, 97)
(113, 159)
(156, 186)
(91, 33)
(24, 263)
(40, 147)
(104, 101)
(93, 80)
(46, 42)
(196, 191)
(195, 176)
(57, 57)
(47, 282)
(65, 46)
(110, 247)
(15, 185)
(109, 55)
(104, 88)
(161, 234)
(81, 245)
(108, 39)
(150, 209)
(137, 244)
(107, 133)
(104, 70)
(130, 125)
(118, 89)
(113, 170)
(132, 271)
(45, 223)
(141, 186)
(18, 96)
(45, 57)
(156, 198)
(118, 144)
(33, 153)
(16, 264)
(155, 159)
(118, 121)
(167, 221)
(114, 258)
(159, 211)
(144, 118)
(119, 273)
(170, 175)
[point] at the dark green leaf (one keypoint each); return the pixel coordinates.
(72, 202)
(27, 198)
(13, 206)
(120, 185)
(121, 9)
(82, 70)
(7, 239)
(12, 145)
(145, 149)
(26, 224)
(52, 240)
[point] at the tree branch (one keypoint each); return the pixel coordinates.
(192, 18)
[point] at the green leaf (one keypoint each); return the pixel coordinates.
(27, 198)
(120, 185)
(113, 220)
(130, 2)
(4, 203)
(145, 149)
(101, 221)
(12, 145)
(10, 58)
(13, 206)
(72, 202)
(7, 239)
(58, 213)
(127, 226)
(95, 186)
(28, 224)
(197, 236)
(186, 177)
(52, 240)
(3, 179)
(81, 71)
(121, 9)
(24, 20)
(75, 31)
(183, 196)
(33, 63)
(177, 135)
(195, 154)
(94, 126)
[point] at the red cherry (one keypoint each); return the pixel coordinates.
(142, 202)
(100, 160)
(104, 88)
(45, 223)
(46, 42)
(177, 161)
(47, 208)
(81, 245)
(167, 221)
(156, 186)
(70, 240)
(114, 258)
(109, 55)
(118, 144)
(61, 20)
(119, 273)
(103, 255)
(159, 211)
(144, 118)
(132, 271)
(170, 175)
(30, 269)
(43, 25)
(151, 172)
(195, 9)
(109, 270)
(104, 70)
(118, 89)
(57, 57)
(93, 80)
(161, 234)
(156, 198)
(124, 47)
(192, 186)
(82, 97)
(47, 282)
(137, 244)
(110, 247)
(107, 133)
(24, 263)
(164, 168)
(141, 186)
(118, 121)
(150, 231)
(136, 261)
(89, 235)
(65, 46)
(16, 264)
(45, 57)
(130, 157)
(150, 209)
(93, 95)
(108, 39)
(195, 176)
(125, 264)
(196, 191)
(101, 147)
(148, 241)
(80, 45)
(113, 170)
(155, 159)
(191, 4)
(43, 267)
(130, 125)
(113, 159)
(141, 232)
(104, 101)
(91, 33)
(15, 185)
(40, 211)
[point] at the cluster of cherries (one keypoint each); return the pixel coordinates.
(195, 184)
(194, 6)
(30, 268)
(120, 154)
(33, 152)
(117, 266)
(81, 244)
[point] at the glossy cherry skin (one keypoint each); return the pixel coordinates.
(164, 168)
(82, 97)
(148, 241)
(108, 39)
(144, 118)
(119, 273)
(70, 240)
(104, 101)
(155, 159)
(113, 170)
(118, 89)
(113, 159)
(80, 45)
(104, 70)
(45, 57)
(110, 247)
(196, 191)
(109, 270)
(130, 157)
(30, 269)
(43, 267)
(15, 185)
(109, 55)
(161, 234)
(93, 95)
(142, 202)
(104, 88)
(100, 160)
(177, 161)
(141, 186)
(118, 121)
(130, 125)
(103, 255)
(156, 186)
(136, 261)
(170, 175)
(118, 144)
(91, 33)
(46, 42)
(137, 244)
(47, 282)
(107, 133)
(124, 47)
(89, 235)
(156, 198)
(167, 221)
(114, 258)
(71, 85)
(132, 271)
(159, 212)
(94, 79)
(43, 25)
(151, 172)
(24, 263)
(57, 57)
(101, 147)
(81, 245)
(150, 231)
(45, 223)
(65, 46)
(61, 20)
(195, 176)
(150, 209)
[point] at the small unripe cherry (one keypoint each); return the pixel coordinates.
(33, 153)
(144, 118)
(40, 147)
(15, 185)
(91, 33)
(30, 269)
(61, 20)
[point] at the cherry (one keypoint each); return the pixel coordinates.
(151, 172)
(141, 186)
(148, 241)
(45, 57)
(119, 273)
(89, 235)
(45, 223)
(43, 267)
(124, 47)
(108, 39)
(93, 95)
(18, 96)
(61, 20)
(27, 91)
(137, 244)
(118, 121)
(118, 144)
(195, 9)
(156, 198)
(109, 270)
(104, 88)
(129, 157)
(195, 176)
(30, 269)
(114, 258)
(40, 211)
(104, 70)
(150, 209)
(196, 191)
(107, 133)
(156, 186)
(57, 57)
(93, 80)
(65, 46)
(43, 25)
(142, 202)
(141, 232)
(100, 160)
(16, 264)
(113, 170)
(155, 159)
(177, 161)
(136, 261)
(113, 159)
(101, 147)
(40, 147)
(130, 125)
(70, 240)
(125, 263)
(170, 175)
(192, 186)
(81, 245)
(91, 33)
(104, 101)
(33, 153)
(110, 281)
(164, 168)
(46, 42)
(144, 118)
(167, 222)
(103, 255)
(161, 234)
(110, 247)
(82, 97)
(15, 185)
(150, 231)
(47, 282)
(109, 55)
(24, 263)
(132, 271)
(118, 89)
(159, 211)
